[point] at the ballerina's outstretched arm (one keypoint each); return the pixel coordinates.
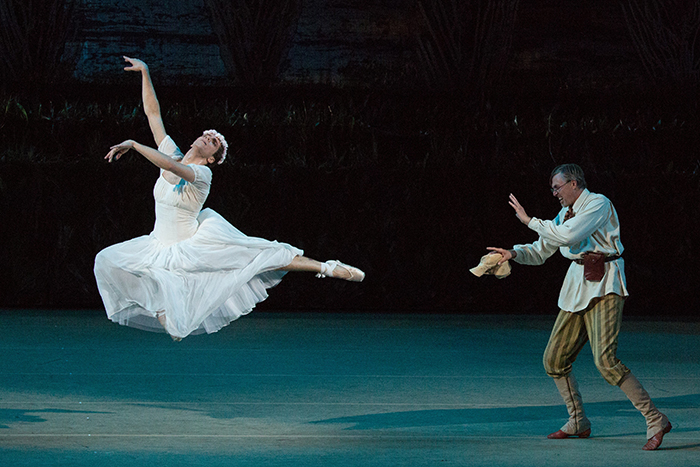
(150, 102)
(157, 158)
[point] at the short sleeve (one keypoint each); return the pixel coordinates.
(202, 176)
(168, 146)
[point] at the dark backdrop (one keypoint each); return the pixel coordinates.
(415, 231)
(407, 183)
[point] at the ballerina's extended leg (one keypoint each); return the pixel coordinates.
(332, 268)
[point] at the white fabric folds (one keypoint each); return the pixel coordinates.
(195, 266)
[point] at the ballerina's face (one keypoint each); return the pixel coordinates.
(203, 149)
(207, 145)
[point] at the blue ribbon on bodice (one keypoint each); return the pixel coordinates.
(180, 185)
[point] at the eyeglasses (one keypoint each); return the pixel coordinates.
(556, 190)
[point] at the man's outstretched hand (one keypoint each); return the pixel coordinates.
(519, 210)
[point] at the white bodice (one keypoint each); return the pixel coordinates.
(177, 206)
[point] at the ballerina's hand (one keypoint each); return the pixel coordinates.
(136, 64)
(115, 152)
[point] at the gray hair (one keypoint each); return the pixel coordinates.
(570, 172)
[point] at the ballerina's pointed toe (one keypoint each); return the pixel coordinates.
(339, 270)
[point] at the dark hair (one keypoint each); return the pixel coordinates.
(570, 172)
(217, 156)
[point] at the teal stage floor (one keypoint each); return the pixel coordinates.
(330, 389)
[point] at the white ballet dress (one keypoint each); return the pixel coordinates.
(195, 267)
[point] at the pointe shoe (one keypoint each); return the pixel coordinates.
(328, 268)
(563, 435)
(655, 441)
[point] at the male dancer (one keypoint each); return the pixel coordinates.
(586, 230)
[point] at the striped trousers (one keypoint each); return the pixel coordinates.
(600, 324)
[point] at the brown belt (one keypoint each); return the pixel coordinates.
(607, 259)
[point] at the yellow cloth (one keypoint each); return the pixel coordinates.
(489, 266)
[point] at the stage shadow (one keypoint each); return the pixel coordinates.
(8, 416)
(446, 417)
(679, 448)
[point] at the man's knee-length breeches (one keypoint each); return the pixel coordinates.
(599, 324)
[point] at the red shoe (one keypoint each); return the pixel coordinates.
(655, 441)
(563, 435)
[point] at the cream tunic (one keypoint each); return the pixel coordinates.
(595, 227)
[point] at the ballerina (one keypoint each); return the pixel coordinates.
(195, 272)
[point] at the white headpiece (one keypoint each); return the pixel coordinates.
(221, 139)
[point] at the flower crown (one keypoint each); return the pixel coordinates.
(221, 139)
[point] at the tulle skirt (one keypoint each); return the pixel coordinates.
(201, 284)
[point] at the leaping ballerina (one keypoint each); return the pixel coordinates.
(195, 272)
